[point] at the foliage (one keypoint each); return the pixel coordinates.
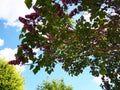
(54, 85)
(59, 29)
(9, 78)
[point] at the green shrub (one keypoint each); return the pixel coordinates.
(54, 85)
(10, 79)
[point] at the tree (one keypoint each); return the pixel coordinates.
(54, 85)
(9, 78)
(60, 30)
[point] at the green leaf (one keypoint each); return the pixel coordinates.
(19, 51)
(24, 40)
(31, 66)
(102, 71)
(28, 3)
(23, 30)
(37, 2)
(35, 71)
(21, 36)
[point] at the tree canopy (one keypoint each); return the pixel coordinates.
(10, 79)
(63, 34)
(54, 85)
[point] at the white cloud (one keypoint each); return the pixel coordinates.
(86, 16)
(98, 80)
(1, 42)
(10, 10)
(8, 54)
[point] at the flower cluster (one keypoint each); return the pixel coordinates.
(30, 20)
(16, 62)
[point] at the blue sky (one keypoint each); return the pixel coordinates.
(9, 33)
